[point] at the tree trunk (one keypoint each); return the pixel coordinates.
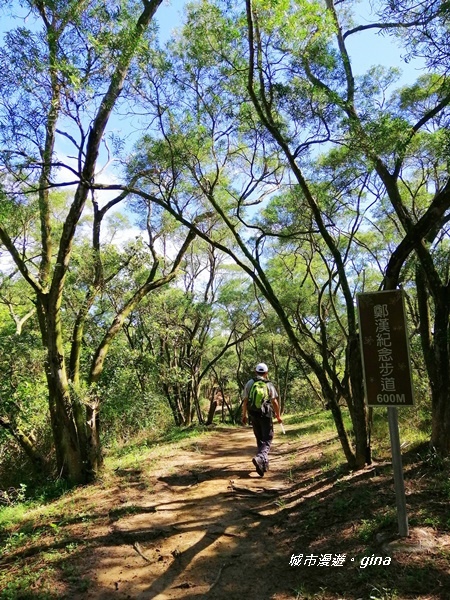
(342, 434)
(26, 442)
(211, 412)
(177, 416)
(69, 458)
(188, 409)
(94, 449)
(440, 384)
(434, 337)
(440, 440)
(67, 448)
(357, 405)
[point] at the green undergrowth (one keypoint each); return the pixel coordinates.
(145, 441)
(123, 454)
(52, 509)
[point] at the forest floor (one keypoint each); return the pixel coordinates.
(194, 520)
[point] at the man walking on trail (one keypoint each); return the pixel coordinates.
(261, 401)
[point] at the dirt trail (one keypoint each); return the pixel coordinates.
(199, 523)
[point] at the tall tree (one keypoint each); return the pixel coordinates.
(61, 81)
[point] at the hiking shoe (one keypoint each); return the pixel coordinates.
(259, 468)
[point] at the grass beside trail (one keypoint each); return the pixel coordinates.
(47, 519)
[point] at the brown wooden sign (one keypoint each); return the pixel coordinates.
(385, 349)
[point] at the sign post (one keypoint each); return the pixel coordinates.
(387, 374)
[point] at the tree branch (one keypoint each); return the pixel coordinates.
(392, 25)
(150, 285)
(21, 265)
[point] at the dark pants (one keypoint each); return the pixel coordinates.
(263, 430)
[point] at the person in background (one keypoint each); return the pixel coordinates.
(261, 402)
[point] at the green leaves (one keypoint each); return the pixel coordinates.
(299, 23)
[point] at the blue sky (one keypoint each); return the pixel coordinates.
(367, 48)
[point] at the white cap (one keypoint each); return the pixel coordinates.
(262, 368)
